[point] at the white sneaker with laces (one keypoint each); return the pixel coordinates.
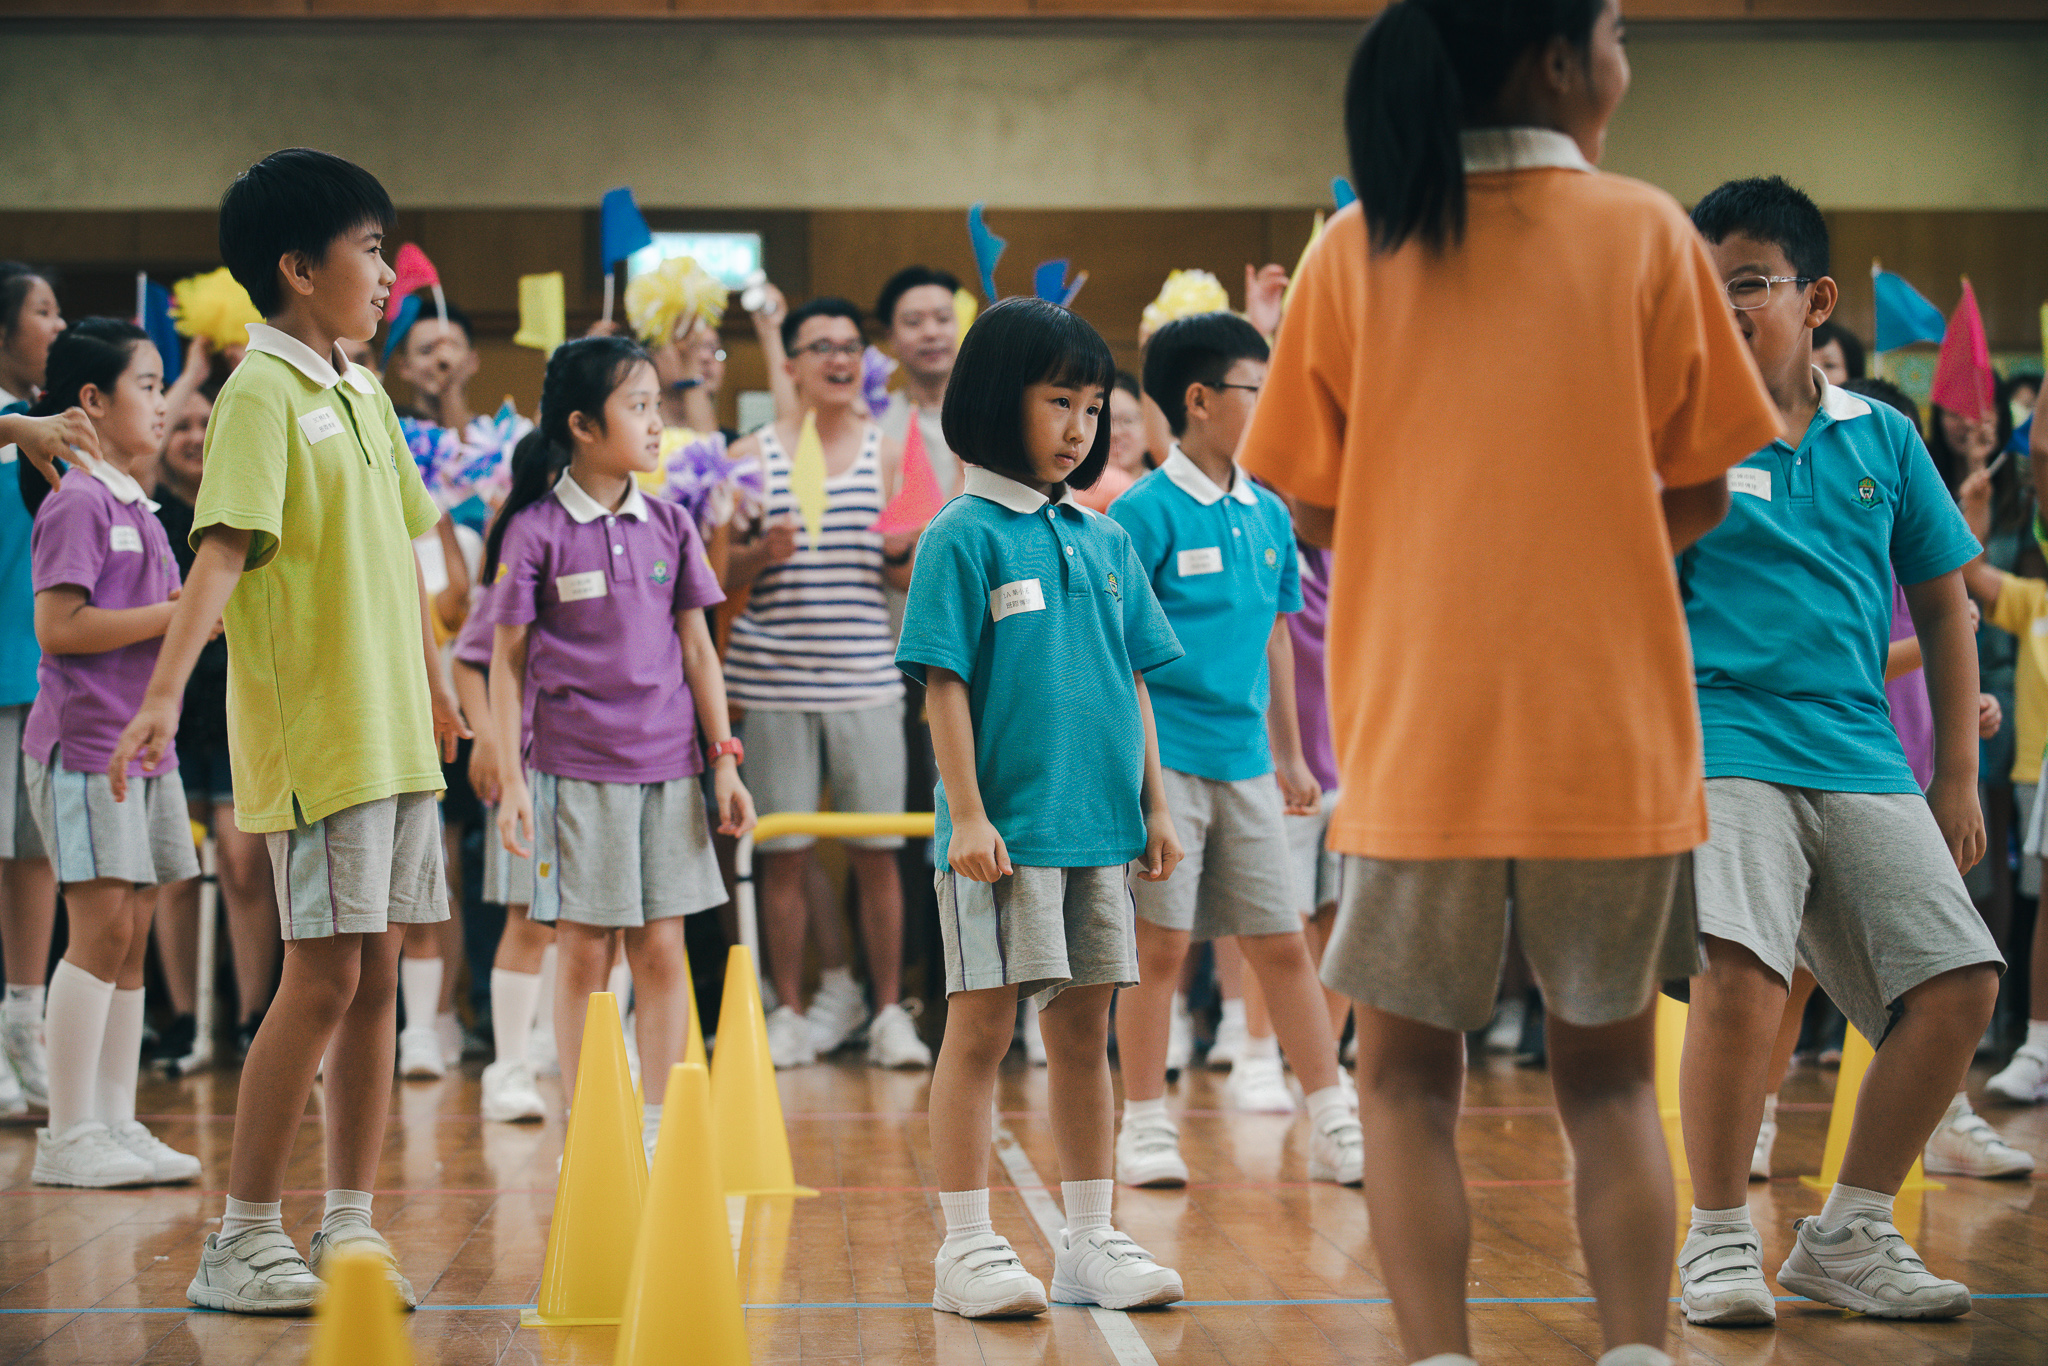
(1260, 1085)
(1336, 1151)
(837, 1013)
(22, 1042)
(258, 1271)
(509, 1093)
(1868, 1266)
(2024, 1080)
(983, 1279)
(419, 1054)
(166, 1164)
(1104, 1267)
(1229, 1043)
(85, 1154)
(893, 1041)
(1964, 1145)
(1721, 1278)
(357, 1238)
(1180, 1038)
(1148, 1153)
(789, 1038)
(1760, 1156)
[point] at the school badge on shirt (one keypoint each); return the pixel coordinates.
(1118, 593)
(1866, 493)
(660, 574)
(1272, 557)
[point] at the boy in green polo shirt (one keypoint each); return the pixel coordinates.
(338, 710)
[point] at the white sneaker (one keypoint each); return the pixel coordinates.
(837, 1012)
(357, 1238)
(22, 1042)
(542, 1058)
(2024, 1080)
(1964, 1145)
(789, 1038)
(1180, 1038)
(893, 1041)
(258, 1271)
(983, 1279)
(1867, 1266)
(419, 1054)
(448, 1029)
(1229, 1044)
(1259, 1084)
(1148, 1153)
(166, 1164)
(1504, 1035)
(87, 1155)
(1721, 1278)
(1336, 1151)
(12, 1102)
(1034, 1037)
(1760, 1156)
(509, 1094)
(1104, 1267)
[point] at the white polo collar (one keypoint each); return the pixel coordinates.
(1001, 489)
(119, 482)
(1187, 476)
(582, 508)
(308, 362)
(1839, 404)
(1520, 149)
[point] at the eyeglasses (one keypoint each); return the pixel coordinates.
(1251, 389)
(1754, 291)
(822, 349)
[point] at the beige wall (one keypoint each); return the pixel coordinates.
(892, 116)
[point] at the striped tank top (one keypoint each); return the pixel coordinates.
(815, 634)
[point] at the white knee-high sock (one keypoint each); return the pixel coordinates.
(120, 1060)
(544, 1008)
(74, 1028)
(419, 987)
(514, 998)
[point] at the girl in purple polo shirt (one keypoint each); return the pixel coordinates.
(597, 596)
(104, 578)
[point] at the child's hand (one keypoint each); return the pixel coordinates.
(780, 540)
(1162, 848)
(1301, 794)
(484, 775)
(149, 735)
(735, 803)
(1982, 441)
(978, 852)
(449, 727)
(54, 438)
(198, 357)
(1990, 716)
(515, 817)
(1961, 818)
(1265, 290)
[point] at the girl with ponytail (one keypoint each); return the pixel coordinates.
(1484, 241)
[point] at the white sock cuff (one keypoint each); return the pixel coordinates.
(78, 978)
(1702, 1218)
(1256, 1047)
(2037, 1030)
(1771, 1106)
(1233, 1011)
(1087, 1203)
(239, 1216)
(1138, 1109)
(1846, 1202)
(966, 1213)
(1331, 1100)
(26, 1001)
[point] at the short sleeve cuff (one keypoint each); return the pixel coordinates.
(913, 661)
(1155, 659)
(1935, 565)
(264, 533)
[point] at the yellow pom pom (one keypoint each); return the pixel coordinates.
(677, 291)
(965, 309)
(213, 306)
(1185, 293)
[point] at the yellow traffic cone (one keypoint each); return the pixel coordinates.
(1671, 1018)
(360, 1321)
(753, 1146)
(1857, 1055)
(682, 1296)
(603, 1186)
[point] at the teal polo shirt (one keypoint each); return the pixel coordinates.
(19, 654)
(1224, 567)
(1045, 612)
(1789, 599)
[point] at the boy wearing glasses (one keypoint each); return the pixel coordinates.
(1823, 847)
(813, 662)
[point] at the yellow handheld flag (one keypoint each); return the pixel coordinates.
(543, 314)
(807, 479)
(1315, 231)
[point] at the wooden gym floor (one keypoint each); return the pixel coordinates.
(1277, 1270)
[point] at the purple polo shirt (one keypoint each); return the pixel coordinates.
(1305, 630)
(604, 669)
(1912, 712)
(88, 537)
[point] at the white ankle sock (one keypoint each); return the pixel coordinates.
(1139, 1109)
(345, 1208)
(1328, 1104)
(1087, 1204)
(243, 1215)
(120, 1060)
(1737, 1217)
(514, 998)
(1770, 1107)
(419, 989)
(1846, 1202)
(1233, 1013)
(966, 1215)
(1256, 1047)
(1636, 1354)
(838, 981)
(26, 1002)
(2037, 1030)
(74, 1031)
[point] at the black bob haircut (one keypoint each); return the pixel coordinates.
(1832, 333)
(905, 280)
(1770, 209)
(1018, 343)
(297, 200)
(826, 306)
(1196, 350)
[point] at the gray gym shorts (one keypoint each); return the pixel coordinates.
(1236, 878)
(617, 855)
(145, 840)
(362, 869)
(1040, 929)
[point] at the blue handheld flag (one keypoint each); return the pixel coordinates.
(1341, 191)
(156, 320)
(1903, 317)
(988, 249)
(620, 227)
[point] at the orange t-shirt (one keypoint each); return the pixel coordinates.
(1509, 671)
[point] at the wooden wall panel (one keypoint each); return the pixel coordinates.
(2004, 254)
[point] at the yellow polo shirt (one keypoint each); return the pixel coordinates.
(327, 685)
(2022, 608)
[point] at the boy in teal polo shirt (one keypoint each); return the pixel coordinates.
(1823, 847)
(1219, 552)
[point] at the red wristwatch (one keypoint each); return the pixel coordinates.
(730, 746)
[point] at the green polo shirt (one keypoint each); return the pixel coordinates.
(327, 684)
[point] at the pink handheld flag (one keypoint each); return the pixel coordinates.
(919, 500)
(1963, 380)
(415, 271)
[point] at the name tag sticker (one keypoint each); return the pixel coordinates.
(1026, 596)
(1754, 482)
(2041, 626)
(128, 538)
(1207, 560)
(577, 587)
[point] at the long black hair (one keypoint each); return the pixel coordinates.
(1020, 342)
(94, 351)
(581, 375)
(2009, 496)
(1426, 70)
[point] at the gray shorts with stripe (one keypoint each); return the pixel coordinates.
(146, 840)
(362, 870)
(1041, 930)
